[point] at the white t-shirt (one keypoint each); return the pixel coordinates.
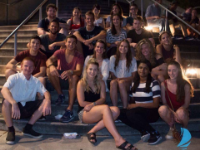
(98, 21)
(121, 70)
(104, 69)
(123, 22)
(24, 90)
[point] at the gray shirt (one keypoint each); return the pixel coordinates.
(153, 10)
(46, 42)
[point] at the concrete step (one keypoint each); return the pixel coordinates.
(2, 69)
(5, 59)
(55, 127)
(20, 32)
(9, 51)
(19, 39)
(12, 27)
(20, 45)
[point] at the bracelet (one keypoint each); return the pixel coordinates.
(94, 103)
(49, 65)
(71, 71)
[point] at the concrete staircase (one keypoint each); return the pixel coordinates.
(189, 50)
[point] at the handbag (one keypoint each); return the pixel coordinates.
(176, 134)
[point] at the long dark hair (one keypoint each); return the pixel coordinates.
(113, 29)
(181, 81)
(81, 20)
(104, 56)
(137, 78)
(119, 7)
(128, 55)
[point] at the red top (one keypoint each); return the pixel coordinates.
(63, 64)
(172, 96)
(39, 60)
(76, 26)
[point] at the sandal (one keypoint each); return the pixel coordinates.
(123, 145)
(92, 136)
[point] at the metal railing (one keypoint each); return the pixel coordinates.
(23, 22)
(167, 10)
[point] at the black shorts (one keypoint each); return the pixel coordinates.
(29, 108)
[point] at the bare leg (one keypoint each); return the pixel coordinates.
(72, 91)
(55, 82)
(171, 27)
(100, 125)
(166, 115)
(183, 116)
(9, 72)
(113, 92)
(103, 112)
(123, 88)
(6, 111)
(37, 114)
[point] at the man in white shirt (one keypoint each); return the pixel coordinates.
(19, 94)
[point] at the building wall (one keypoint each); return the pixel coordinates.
(18, 10)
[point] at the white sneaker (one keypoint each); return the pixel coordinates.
(169, 135)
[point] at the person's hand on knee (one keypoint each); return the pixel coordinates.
(15, 111)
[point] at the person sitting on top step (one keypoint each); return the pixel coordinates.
(89, 34)
(33, 52)
(43, 25)
(70, 65)
(19, 102)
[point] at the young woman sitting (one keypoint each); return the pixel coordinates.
(100, 55)
(177, 90)
(146, 51)
(76, 21)
(166, 48)
(99, 21)
(91, 96)
(115, 35)
(145, 97)
(122, 69)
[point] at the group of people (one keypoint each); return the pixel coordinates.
(94, 62)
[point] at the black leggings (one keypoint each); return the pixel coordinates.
(139, 118)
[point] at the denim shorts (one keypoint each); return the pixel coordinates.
(80, 115)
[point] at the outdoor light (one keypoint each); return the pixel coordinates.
(149, 28)
(191, 72)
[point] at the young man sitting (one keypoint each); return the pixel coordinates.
(43, 25)
(138, 33)
(19, 94)
(89, 34)
(133, 14)
(33, 52)
(70, 65)
(53, 36)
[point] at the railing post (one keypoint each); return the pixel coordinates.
(166, 20)
(57, 7)
(15, 44)
(40, 14)
(142, 8)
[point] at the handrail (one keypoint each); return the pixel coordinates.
(23, 22)
(167, 10)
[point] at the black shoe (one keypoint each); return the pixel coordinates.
(32, 133)
(10, 139)
(60, 100)
(155, 137)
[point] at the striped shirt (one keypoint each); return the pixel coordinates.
(141, 97)
(113, 38)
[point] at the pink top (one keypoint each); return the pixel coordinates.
(172, 96)
(63, 64)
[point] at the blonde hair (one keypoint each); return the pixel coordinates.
(140, 56)
(97, 79)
